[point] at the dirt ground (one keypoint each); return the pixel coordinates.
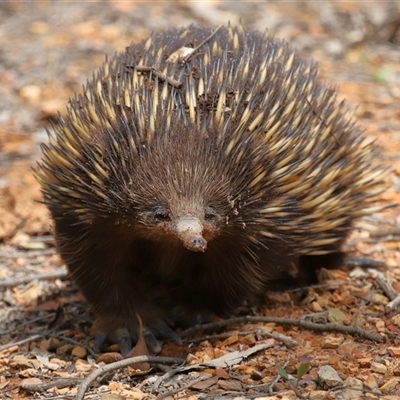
(47, 51)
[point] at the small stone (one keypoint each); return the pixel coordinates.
(315, 307)
(380, 326)
(287, 395)
(394, 351)
(390, 385)
(317, 395)
(28, 373)
(30, 381)
(378, 367)
(230, 340)
(64, 349)
(395, 320)
(336, 316)
(331, 342)
(349, 394)
(347, 347)
(358, 272)
(328, 377)
(231, 385)
(382, 352)
(379, 298)
(61, 363)
(50, 344)
(51, 366)
(82, 366)
(353, 383)
(371, 383)
(79, 352)
(365, 362)
(256, 375)
(20, 361)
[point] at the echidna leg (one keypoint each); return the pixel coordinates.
(107, 273)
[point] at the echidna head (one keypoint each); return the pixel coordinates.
(184, 190)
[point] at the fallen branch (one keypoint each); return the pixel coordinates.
(11, 282)
(23, 341)
(227, 360)
(121, 364)
(43, 387)
(287, 341)
(350, 330)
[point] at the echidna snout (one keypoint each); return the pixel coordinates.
(190, 230)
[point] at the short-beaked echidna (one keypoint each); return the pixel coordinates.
(186, 178)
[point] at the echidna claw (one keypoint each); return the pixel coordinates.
(153, 345)
(164, 332)
(124, 341)
(99, 340)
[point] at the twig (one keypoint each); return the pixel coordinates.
(393, 305)
(27, 279)
(158, 74)
(23, 341)
(121, 364)
(190, 55)
(384, 283)
(29, 322)
(59, 384)
(64, 396)
(178, 390)
(351, 330)
(322, 286)
(388, 289)
(74, 342)
(164, 378)
(27, 253)
(287, 341)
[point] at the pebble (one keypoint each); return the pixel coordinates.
(328, 377)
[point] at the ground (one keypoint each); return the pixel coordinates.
(47, 50)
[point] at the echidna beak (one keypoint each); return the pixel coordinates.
(189, 229)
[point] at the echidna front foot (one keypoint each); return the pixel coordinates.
(162, 331)
(106, 330)
(121, 337)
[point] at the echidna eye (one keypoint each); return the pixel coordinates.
(161, 214)
(210, 213)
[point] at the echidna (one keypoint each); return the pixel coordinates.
(187, 178)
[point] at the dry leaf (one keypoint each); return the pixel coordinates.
(140, 348)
